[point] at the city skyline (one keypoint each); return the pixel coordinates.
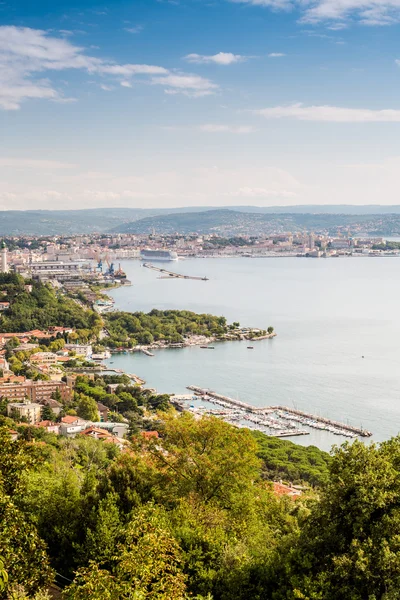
(190, 103)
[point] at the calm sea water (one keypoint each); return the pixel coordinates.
(327, 314)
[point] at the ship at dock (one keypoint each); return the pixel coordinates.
(148, 254)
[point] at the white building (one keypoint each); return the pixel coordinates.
(4, 259)
(80, 349)
(31, 411)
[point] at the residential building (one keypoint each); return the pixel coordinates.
(35, 391)
(28, 410)
(71, 425)
(44, 358)
(50, 426)
(71, 379)
(80, 349)
(103, 411)
(55, 406)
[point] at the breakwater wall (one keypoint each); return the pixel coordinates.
(305, 415)
(285, 409)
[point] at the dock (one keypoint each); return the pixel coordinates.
(284, 413)
(146, 352)
(170, 274)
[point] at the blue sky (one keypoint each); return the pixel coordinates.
(199, 102)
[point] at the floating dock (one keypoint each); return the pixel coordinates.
(170, 274)
(285, 413)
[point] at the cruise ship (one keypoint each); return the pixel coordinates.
(158, 255)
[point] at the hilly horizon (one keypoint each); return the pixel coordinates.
(231, 222)
(120, 219)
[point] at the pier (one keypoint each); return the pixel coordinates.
(284, 413)
(146, 352)
(170, 274)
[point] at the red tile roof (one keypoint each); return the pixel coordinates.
(149, 434)
(69, 419)
(281, 489)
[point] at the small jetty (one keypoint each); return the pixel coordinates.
(171, 275)
(146, 352)
(287, 418)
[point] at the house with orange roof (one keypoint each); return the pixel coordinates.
(49, 426)
(280, 489)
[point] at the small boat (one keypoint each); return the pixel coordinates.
(111, 362)
(210, 347)
(203, 346)
(250, 347)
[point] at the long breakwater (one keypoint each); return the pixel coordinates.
(284, 413)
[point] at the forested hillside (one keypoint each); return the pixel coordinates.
(40, 308)
(191, 515)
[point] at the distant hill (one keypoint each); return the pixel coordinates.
(234, 222)
(104, 220)
(52, 222)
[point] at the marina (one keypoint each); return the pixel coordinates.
(284, 421)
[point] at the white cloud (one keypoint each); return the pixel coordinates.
(335, 114)
(222, 58)
(135, 29)
(365, 12)
(190, 85)
(276, 54)
(26, 54)
(216, 128)
(126, 84)
(128, 70)
(251, 192)
(33, 163)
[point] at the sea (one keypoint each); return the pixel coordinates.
(337, 349)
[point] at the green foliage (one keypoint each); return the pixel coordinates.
(48, 414)
(129, 329)
(348, 547)
(283, 459)
(42, 308)
(87, 408)
(205, 457)
(190, 514)
(146, 566)
(21, 549)
(127, 398)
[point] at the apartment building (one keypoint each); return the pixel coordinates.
(34, 391)
(28, 410)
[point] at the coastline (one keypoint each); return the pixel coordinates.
(196, 340)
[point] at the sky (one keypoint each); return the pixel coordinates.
(168, 103)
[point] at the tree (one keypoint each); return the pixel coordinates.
(270, 330)
(56, 395)
(206, 457)
(146, 565)
(21, 549)
(102, 538)
(349, 547)
(47, 414)
(87, 408)
(56, 345)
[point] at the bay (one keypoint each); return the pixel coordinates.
(328, 314)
